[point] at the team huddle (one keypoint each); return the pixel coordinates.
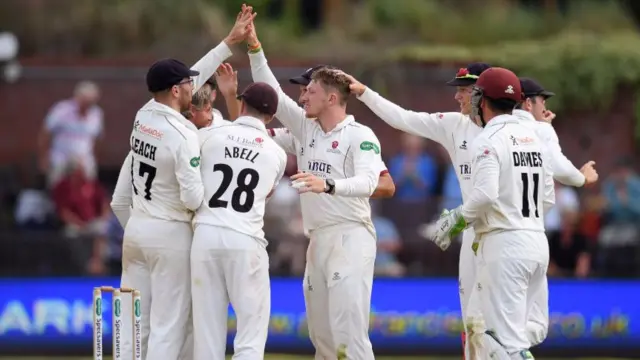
(191, 196)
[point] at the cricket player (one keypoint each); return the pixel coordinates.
(512, 189)
(225, 80)
(534, 108)
(340, 170)
(166, 187)
(454, 131)
(241, 166)
(159, 187)
(386, 187)
(532, 113)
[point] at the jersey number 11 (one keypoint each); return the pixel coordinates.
(526, 211)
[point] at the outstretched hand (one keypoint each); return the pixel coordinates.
(241, 28)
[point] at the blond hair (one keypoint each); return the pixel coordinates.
(335, 80)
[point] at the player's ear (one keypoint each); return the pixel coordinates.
(333, 98)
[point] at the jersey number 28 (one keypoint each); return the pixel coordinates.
(243, 186)
(526, 210)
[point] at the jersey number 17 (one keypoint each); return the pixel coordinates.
(150, 172)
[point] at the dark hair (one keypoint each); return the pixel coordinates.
(502, 106)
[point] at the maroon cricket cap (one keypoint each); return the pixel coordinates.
(500, 84)
(261, 97)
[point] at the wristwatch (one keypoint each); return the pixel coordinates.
(330, 186)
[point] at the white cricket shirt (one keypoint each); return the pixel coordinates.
(164, 165)
(512, 182)
(563, 169)
(348, 154)
(241, 165)
(452, 130)
(122, 201)
(286, 140)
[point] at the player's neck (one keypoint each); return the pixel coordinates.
(170, 102)
(331, 117)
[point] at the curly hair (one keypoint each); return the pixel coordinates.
(331, 79)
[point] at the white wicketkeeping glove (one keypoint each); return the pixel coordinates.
(450, 224)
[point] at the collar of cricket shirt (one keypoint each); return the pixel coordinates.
(523, 115)
(502, 119)
(156, 106)
(348, 120)
(251, 121)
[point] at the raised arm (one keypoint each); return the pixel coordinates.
(123, 193)
(436, 127)
(289, 113)
(562, 168)
(209, 63)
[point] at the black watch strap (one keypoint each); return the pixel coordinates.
(331, 186)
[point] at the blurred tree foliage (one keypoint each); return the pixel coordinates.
(583, 52)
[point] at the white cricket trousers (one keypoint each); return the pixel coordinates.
(511, 280)
(337, 291)
(155, 260)
(466, 278)
(229, 267)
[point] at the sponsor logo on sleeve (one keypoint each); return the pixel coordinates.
(369, 146)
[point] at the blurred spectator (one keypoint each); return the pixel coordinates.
(84, 210)
(620, 236)
(414, 171)
(34, 209)
(283, 226)
(415, 174)
(568, 249)
(389, 244)
(69, 133)
(451, 193)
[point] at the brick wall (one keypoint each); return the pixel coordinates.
(584, 135)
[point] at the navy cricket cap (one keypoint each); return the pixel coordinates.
(532, 88)
(469, 75)
(262, 97)
(305, 77)
(165, 73)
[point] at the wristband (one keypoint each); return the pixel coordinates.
(254, 49)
